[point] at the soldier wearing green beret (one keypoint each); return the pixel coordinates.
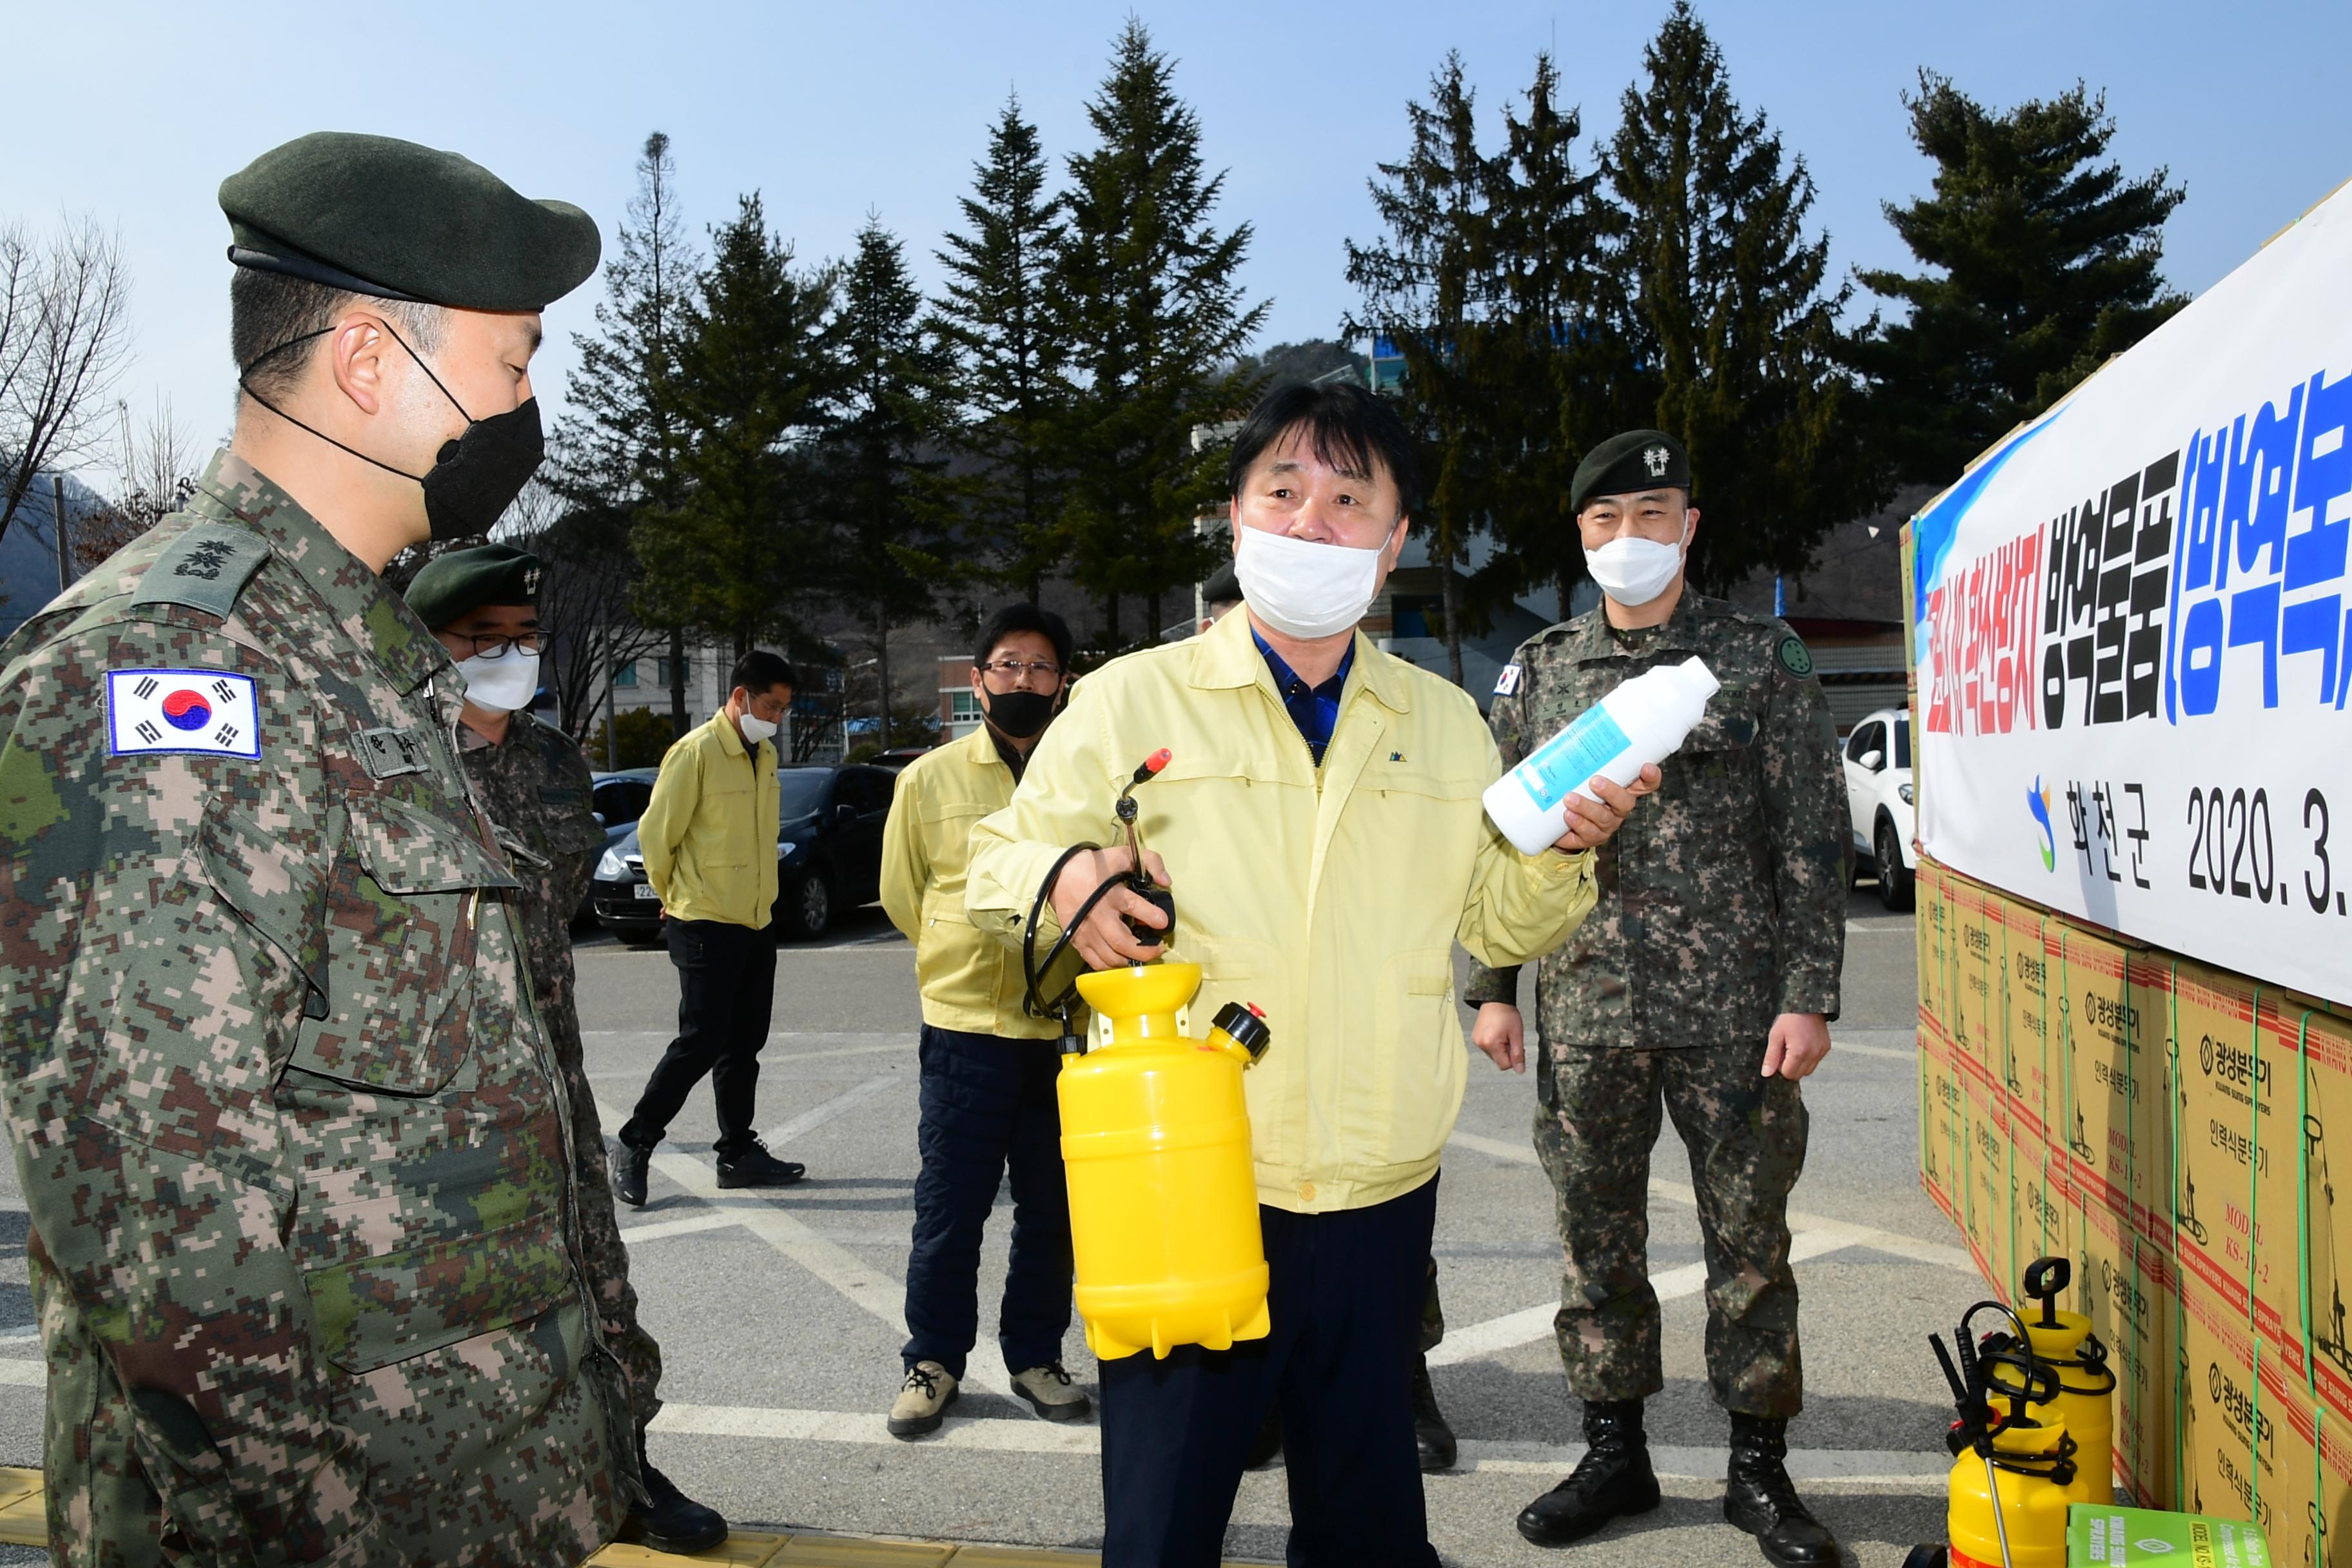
(305, 1221)
(1701, 985)
(482, 604)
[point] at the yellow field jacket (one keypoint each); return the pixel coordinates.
(970, 981)
(708, 834)
(1330, 897)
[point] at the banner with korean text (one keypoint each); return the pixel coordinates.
(2134, 631)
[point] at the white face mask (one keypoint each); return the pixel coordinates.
(1635, 571)
(1303, 589)
(501, 685)
(755, 729)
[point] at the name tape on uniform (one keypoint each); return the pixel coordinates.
(200, 712)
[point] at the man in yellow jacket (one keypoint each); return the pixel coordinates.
(708, 837)
(988, 1068)
(1319, 822)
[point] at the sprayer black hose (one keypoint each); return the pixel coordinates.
(1032, 972)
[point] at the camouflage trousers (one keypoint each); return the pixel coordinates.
(601, 1252)
(1432, 1314)
(1746, 1137)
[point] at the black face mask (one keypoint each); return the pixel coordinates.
(1020, 714)
(474, 477)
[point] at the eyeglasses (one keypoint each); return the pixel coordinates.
(1014, 668)
(495, 647)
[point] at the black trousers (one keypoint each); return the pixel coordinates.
(1345, 1297)
(988, 1104)
(725, 989)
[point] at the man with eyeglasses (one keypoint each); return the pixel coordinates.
(482, 606)
(988, 1068)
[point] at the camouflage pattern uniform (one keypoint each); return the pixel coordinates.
(303, 1240)
(538, 790)
(1722, 906)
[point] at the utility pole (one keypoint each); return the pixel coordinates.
(57, 521)
(612, 742)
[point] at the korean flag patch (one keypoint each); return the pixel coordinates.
(1508, 682)
(198, 712)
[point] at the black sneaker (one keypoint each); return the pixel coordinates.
(629, 1163)
(753, 1166)
(672, 1522)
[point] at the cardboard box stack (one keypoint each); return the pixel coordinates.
(2178, 1131)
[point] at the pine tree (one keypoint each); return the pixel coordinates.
(731, 555)
(1428, 288)
(1730, 313)
(998, 317)
(887, 564)
(1562, 368)
(2045, 262)
(622, 440)
(1155, 319)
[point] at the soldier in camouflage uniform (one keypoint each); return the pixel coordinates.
(305, 1239)
(1700, 986)
(482, 606)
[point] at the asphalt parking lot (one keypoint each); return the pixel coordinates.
(779, 1314)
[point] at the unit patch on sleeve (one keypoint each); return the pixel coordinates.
(1508, 682)
(1795, 656)
(200, 712)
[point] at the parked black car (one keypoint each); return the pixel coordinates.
(828, 856)
(618, 799)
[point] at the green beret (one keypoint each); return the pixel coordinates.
(391, 218)
(1224, 586)
(463, 580)
(1623, 465)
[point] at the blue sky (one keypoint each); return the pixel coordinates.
(134, 112)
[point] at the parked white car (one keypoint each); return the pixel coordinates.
(1878, 799)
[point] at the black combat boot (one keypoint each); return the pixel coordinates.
(1266, 1447)
(629, 1163)
(1432, 1437)
(668, 1519)
(1612, 1481)
(1758, 1497)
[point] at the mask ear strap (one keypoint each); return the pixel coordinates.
(428, 371)
(245, 384)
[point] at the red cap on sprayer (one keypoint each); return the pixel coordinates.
(1156, 761)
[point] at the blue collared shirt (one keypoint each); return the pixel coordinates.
(1313, 709)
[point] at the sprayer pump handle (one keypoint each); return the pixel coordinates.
(2046, 1280)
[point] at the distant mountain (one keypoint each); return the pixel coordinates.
(28, 551)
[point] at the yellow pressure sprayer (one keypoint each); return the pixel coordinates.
(2016, 1471)
(2086, 1383)
(1155, 1140)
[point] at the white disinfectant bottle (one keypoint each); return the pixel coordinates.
(1641, 722)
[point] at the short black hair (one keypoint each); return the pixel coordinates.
(1024, 617)
(1343, 421)
(760, 670)
(274, 323)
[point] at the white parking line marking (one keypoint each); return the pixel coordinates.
(994, 1435)
(634, 1234)
(1517, 1328)
(24, 1374)
(836, 1266)
(1863, 1235)
(818, 1115)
